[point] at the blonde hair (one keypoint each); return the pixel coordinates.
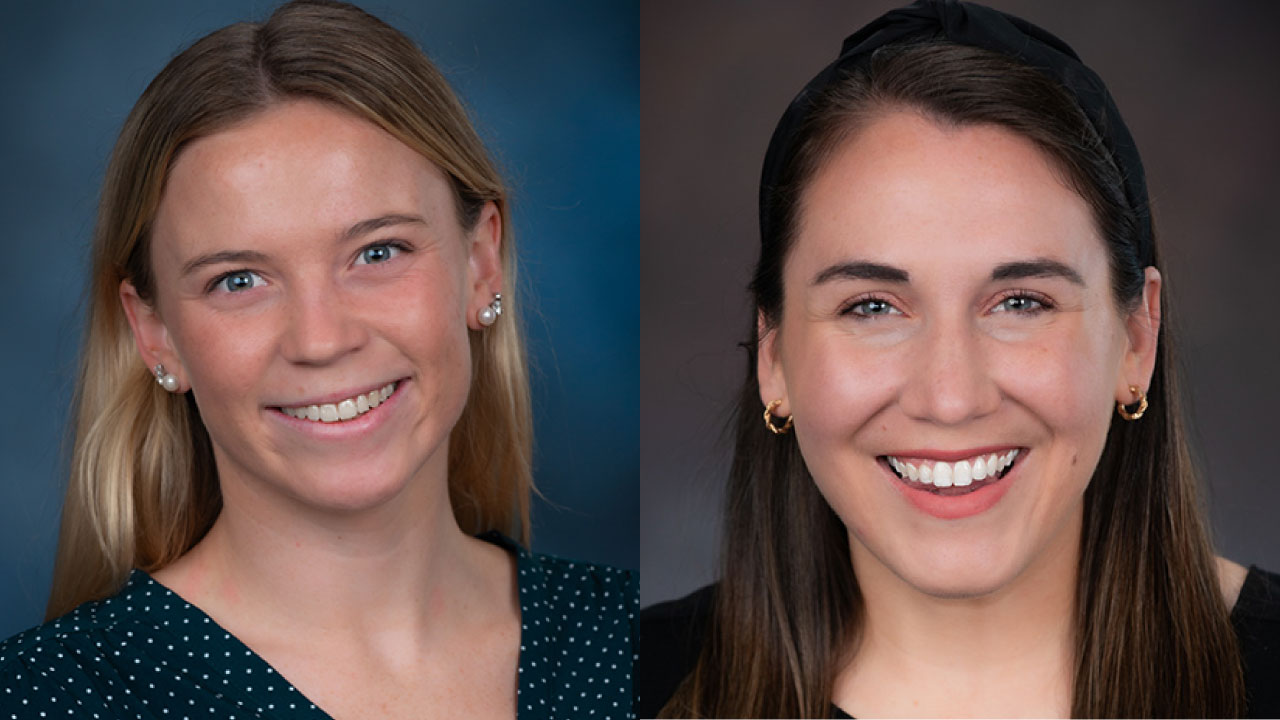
(143, 488)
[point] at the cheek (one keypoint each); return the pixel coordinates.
(427, 314)
(225, 357)
(1064, 376)
(834, 384)
(424, 315)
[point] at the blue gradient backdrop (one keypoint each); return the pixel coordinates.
(554, 91)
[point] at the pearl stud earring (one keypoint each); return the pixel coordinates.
(166, 380)
(488, 314)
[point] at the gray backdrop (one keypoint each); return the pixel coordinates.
(1196, 82)
(554, 91)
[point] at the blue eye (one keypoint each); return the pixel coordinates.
(238, 281)
(375, 254)
(1020, 304)
(871, 307)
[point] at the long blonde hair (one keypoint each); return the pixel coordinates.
(143, 488)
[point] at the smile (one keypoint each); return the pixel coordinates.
(953, 478)
(343, 410)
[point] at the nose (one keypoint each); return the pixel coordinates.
(322, 327)
(950, 381)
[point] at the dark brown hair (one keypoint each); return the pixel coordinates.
(1153, 634)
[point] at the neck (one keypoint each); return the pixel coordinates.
(1010, 651)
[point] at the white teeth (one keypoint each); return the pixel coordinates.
(980, 469)
(344, 409)
(958, 474)
(942, 474)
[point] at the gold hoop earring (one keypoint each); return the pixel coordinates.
(768, 420)
(1140, 400)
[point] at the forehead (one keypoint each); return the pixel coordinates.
(907, 190)
(300, 167)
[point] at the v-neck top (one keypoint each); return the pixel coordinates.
(147, 653)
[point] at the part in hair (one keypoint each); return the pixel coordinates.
(143, 488)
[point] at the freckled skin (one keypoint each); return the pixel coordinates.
(347, 539)
(951, 369)
(286, 184)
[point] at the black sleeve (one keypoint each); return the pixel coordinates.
(671, 636)
(1256, 618)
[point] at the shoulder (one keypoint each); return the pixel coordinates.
(549, 584)
(1231, 576)
(570, 592)
(577, 635)
(670, 639)
(1256, 619)
(54, 667)
(678, 617)
(99, 620)
(1257, 609)
(582, 608)
(567, 580)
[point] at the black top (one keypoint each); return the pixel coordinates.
(147, 653)
(671, 635)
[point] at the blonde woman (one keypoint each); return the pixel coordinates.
(301, 474)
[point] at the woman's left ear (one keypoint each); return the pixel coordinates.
(484, 264)
(1143, 329)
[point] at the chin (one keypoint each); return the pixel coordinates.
(962, 573)
(356, 497)
(349, 490)
(958, 587)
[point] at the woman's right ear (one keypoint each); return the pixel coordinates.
(769, 374)
(150, 334)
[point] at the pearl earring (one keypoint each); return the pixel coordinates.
(488, 314)
(166, 380)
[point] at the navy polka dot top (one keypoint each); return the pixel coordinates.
(146, 653)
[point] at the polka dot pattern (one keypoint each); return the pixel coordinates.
(146, 653)
(577, 637)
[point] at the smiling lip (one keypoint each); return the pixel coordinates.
(956, 503)
(335, 397)
(953, 455)
(352, 428)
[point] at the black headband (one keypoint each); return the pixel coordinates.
(977, 26)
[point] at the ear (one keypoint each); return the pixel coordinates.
(1142, 327)
(484, 263)
(769, 374)
(151, 335)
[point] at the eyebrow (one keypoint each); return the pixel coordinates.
(862, 271)
(224, 256)
(364, 227)
(1038, 268)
